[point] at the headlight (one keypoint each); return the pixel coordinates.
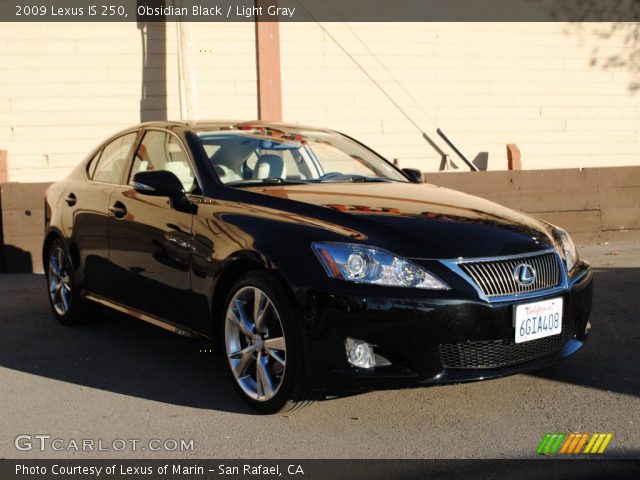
(569, 250)
(363, 264)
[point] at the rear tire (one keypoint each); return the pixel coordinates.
(262, 344)
(67, 304)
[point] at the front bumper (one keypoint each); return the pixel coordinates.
(410, 331)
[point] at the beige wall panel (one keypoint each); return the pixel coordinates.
(614, 177)
(621, 218)
(66, 87)
(582, 221)
(543, 86)
(22, 222)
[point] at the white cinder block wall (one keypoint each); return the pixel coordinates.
(65, 87)
(484, 84)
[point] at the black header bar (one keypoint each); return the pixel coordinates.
(319, 10)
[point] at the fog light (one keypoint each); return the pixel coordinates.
(359, 353)
(362, 355)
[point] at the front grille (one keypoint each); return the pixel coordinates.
(501, 353)
(496, 277)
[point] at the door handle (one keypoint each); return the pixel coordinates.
(118, 209)
(177, 241)
(71, 199)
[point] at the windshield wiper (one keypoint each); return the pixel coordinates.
(354, 178)
(371, 179)
(268, 181)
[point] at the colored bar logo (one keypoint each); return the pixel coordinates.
(573, 443)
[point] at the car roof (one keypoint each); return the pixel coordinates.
(232, 124)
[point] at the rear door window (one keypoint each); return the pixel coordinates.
(93, 163)
(114, 159)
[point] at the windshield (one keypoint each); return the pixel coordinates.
(266, 155)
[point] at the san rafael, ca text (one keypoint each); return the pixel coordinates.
(174, 469)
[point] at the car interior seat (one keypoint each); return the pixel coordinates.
(269, 166)
(178, 163)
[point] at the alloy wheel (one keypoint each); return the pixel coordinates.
(255, 343)
(60, 281)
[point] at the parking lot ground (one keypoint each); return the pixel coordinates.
(117, 378)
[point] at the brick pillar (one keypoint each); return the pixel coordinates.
(268, 59)
(4, 167)
(513, 157)
(4, 177)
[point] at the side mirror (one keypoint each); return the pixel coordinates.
(158, 183)
(414, 174)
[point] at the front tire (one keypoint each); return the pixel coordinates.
(262, 343)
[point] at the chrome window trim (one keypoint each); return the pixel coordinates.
(454, 265)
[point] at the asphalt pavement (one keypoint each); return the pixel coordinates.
(115, 378)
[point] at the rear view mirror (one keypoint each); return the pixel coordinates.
(274, 145)
(158, 183)
(414, 174)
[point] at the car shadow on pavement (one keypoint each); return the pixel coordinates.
(610, 359)
(113, 352)
(119, 354)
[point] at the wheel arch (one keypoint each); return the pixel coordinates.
(235, 269)
(49, 238)
(55, 234)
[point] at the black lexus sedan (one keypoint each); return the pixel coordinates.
(318, 266)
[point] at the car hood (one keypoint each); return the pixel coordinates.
(421, 220)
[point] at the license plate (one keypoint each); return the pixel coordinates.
(538, 320)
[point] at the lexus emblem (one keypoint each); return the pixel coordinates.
(524, 274)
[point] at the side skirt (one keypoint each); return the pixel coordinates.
(145, 317)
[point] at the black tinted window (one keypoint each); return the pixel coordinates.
(113, 160)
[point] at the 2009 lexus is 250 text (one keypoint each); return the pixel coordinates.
(318, 266)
